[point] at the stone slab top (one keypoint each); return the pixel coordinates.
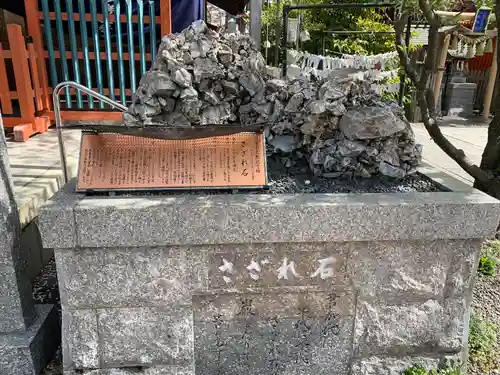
(72, 220)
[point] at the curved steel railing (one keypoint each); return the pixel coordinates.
(57, 114)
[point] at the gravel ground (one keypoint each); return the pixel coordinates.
(300, 180)
(55, 366)
(486, 303)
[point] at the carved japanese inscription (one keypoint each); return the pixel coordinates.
(273, 332)
(318, 265)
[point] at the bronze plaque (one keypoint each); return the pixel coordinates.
(123, 162)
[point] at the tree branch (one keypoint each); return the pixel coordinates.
(399, 26)
(425, 96)
(429, 14)
(430, 60)
(491, 154)
(437, 136)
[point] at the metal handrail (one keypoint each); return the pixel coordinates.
(57, 114)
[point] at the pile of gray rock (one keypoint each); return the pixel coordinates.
(339, 125)
(342, 127)
(200, 77)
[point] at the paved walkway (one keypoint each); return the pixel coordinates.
(37, 173)
(470, 138)
(36, 169)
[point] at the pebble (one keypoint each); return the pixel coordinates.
(486, 303)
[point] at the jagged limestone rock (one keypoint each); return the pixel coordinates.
(371, 123)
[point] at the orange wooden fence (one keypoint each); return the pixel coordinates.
(25, 91)
(20, 106)
(35, 17)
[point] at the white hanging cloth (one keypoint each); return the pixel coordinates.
(372, 67)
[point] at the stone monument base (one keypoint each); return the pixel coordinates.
(284, 284)
(27, 353)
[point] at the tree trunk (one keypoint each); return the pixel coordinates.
(425, 97)
(490, 161)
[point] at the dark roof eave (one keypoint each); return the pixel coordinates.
(233, 7)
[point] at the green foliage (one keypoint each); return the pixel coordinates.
(317, 21)
(492, 248)
(484, 3)
(488, 263)
(361, 44)
(412, 6)
(452, 369)
(408, 94)
(487, 266)
(416, 370)
(483, 344)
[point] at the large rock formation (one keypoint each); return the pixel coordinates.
(200, 77)
(341, 126)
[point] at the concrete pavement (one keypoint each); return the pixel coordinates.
(36, 169)
(470, 138)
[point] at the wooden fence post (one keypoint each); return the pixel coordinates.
(5, 101)
(35, 31)
(441, 68)
(490, 88)
(21, 73)
(165, 17)
(35, 75)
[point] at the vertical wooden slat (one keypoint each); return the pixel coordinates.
(130, 42)
(21, 72)
(47, 30)
(35, 31)
(62, 48)
(5, 101)
(34, 77)
(74, 52)
(165, 17)
(107, 44)
(152, 30)
(119, 45)
(142, 43)
(85, 47)
(97, 53)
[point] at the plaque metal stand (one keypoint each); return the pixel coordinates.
(111, 162)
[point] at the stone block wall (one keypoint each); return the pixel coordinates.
(314, 284)
(297, 308)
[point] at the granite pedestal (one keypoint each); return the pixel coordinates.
(258, 284)
(28, 333)
(460, 96)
